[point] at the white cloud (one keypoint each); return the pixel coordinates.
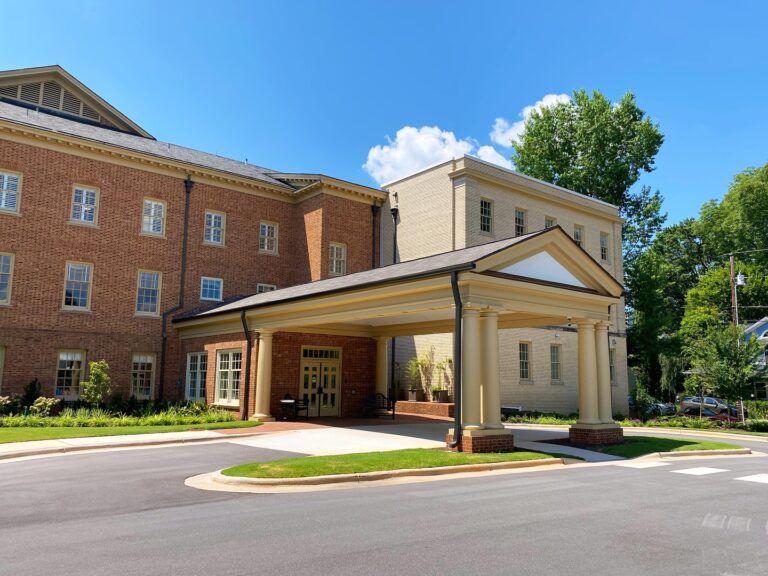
(503, 132)
(489, 154)
(414, 149)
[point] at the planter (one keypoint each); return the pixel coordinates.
(416, 395)
(440, 396)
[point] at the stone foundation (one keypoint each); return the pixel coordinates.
(595, 434)
(426, 408)
(483, 441)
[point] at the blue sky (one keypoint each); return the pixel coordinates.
(313, 86)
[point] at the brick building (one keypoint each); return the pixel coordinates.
(107, 233)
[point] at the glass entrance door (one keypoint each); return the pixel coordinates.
(321, 387)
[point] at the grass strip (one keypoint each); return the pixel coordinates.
(635, 446)
(28, 434)
(371, 462)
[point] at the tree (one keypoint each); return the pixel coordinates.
(724, 364)
(97, 387)
(589, 145)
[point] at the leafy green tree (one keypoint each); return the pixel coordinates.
(589, 145)
(724, 363)
(97, 387)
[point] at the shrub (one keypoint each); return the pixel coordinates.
(757, 425)
(97, 417)
(32, 392)
(97, 387)
(42, 406)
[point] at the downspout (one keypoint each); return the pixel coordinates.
(249, 342)
(374, 218)
(394, 211)
(459, 308)
(188, 184)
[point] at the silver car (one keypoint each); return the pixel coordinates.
(715, 404)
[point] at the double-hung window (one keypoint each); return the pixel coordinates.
(268, 237)
(215, 222)
(142, 375)
(10, 189)
(604, 246)
(211, 288)
(550, 222)
(578, 235)
(261, 288)
(77, 286)
(228, 366)
(525, 360)
(486, 216)
(338, 259)
(148, 293)
(153, 217)
(612, 364)
(521, 222)
(85, 205)
(70, 371)
(197, 368)
(6, 275)
(555, 364)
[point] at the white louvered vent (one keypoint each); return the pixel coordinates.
(52, 95)
(71, 103)
(31, 92)
(10, 91)
(89, 112)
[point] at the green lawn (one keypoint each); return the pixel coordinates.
(26, 434)
(635, 446)
(371, 462)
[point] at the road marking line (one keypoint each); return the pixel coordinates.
(643, 464)
(701, 471)
(714, 521)
(739, 524)
(761, 478)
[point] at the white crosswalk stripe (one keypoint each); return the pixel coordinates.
(700, 471)
(761, 478)
(643, 464)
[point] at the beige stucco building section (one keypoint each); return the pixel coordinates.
(439, 210)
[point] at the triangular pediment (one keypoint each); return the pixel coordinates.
(551, 257)
(53, 89)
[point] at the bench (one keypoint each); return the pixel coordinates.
(291, 408)
(376, 404)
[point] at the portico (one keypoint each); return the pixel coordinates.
(539, 279)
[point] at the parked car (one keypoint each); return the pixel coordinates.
(714, 404)
(695, 411)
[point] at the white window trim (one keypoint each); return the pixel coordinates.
(7, 301)
(152, 380)
(264, 288)
(223, 228)
(579, 228)
(331, 259)
(159, 294)
(217, 381)
(612, 356)
(529, 379)
(160, 234)
(2, 363)
(553, 219)
(276, 251)
(76, 395)
(95, 223)
(17, 211)
(221, 291)
(525, 221)
(491, 216)
(187, 396)
(559, 362)
(607, 237)
(64, 306)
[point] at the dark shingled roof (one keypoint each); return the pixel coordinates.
(22, 115)
(463, 259)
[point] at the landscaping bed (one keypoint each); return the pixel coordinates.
(635, 446)
(372, 462)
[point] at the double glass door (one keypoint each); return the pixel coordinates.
(320, 386)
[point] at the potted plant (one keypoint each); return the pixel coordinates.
(445, 369)
(413, 371)
(438, 393)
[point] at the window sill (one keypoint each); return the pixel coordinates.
(214, 244)
(150, 235)
(83, 224)
(526, 382)
(488, 234)
(211, 299)
(6, 305)
(557, 383)
(10, 212)
(226, 406)
(265, 253)
(140, 315)
(76, 310)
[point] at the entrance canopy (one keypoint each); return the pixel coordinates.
(538, 279)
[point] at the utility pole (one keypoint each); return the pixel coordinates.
(734, 308)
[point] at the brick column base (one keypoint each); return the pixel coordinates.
(489, 441)
(591, 435)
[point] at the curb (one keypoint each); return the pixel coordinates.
(723, 452)
(385, 475)
(67, 449)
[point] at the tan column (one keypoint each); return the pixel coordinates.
(381, 365)
(605, 410)
(264, 376)
(490, 387)
(588, 412)
(470, 372)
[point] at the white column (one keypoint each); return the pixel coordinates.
(381, 365)
(490, 387)
(588, 411)
(470, 372)
(264, 376)
(605, 410)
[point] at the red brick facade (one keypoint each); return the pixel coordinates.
(482, 444)
(585, 436)
(426, 408)
(34, 327)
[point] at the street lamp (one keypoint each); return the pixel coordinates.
(740, 280)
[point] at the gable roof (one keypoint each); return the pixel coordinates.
(438, 264)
